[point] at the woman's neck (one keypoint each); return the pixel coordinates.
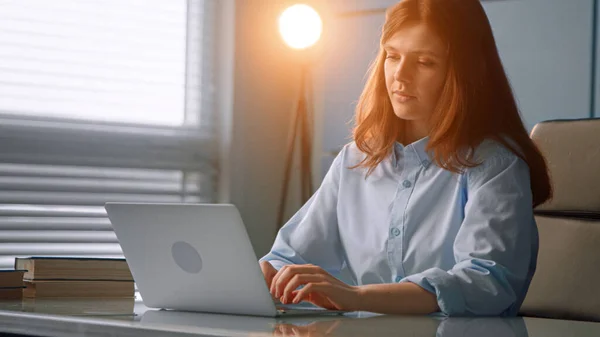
(413, 131)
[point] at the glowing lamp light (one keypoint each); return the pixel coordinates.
(300, 26)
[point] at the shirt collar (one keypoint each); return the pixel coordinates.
(418, 147)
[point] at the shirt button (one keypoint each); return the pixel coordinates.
(425, 163)
(395, 232)
(406, 184)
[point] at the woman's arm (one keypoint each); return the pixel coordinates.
(396, 298)
(311, 235)
(495, 248)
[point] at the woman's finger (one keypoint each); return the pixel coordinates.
(319, 287)
(287, 272)
(276, 279)
(298, 280)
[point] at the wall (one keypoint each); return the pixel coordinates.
(546, 48)
(255, 131)
(265, 83)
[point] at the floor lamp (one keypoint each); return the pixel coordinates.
(300, 27)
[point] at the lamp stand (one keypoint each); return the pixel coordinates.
(302, 127)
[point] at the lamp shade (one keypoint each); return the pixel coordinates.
(300, 26)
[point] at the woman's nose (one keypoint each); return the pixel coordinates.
(404, 72)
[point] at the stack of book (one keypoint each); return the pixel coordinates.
(75, 277)
(11, 284)
(79, 306)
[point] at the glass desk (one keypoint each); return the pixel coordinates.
(105, 317)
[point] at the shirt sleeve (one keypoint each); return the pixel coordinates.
(495, 244)
(311, 236)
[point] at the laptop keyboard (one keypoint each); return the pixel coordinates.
(295, 308)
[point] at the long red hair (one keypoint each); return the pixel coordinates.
(476, 103)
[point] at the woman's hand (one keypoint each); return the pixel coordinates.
(269, 272)
(320, 288)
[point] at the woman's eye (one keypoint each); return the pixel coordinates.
(426, 63)
(392, 57)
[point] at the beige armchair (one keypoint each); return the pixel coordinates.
(567, 280)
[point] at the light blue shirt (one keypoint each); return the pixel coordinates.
(470, 239)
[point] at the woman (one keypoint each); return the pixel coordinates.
(431, 207)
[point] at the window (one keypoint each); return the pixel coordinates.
(109, 60)
(100, 101)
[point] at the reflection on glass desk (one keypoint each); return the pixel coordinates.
(116, 317)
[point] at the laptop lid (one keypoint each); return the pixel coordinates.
(194, 257)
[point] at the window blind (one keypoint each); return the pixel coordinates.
(92, 111)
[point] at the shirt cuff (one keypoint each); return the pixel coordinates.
(444, 286)
(275, 263)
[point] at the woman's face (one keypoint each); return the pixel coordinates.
(415, 71)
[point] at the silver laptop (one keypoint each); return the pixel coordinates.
(195, 257)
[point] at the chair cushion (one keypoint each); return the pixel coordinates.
(567, 279)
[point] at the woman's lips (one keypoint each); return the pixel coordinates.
(403, 98)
